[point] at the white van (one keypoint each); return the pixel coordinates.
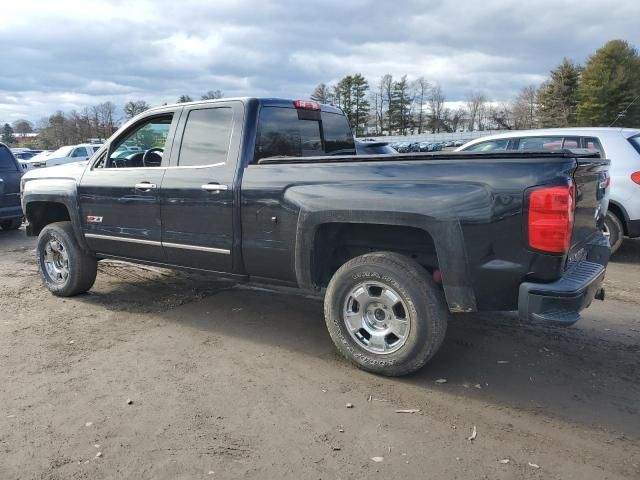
(620, 145)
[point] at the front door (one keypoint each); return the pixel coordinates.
(197, 195)
(119, 194)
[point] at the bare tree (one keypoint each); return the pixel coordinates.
(525, 108)
(436, 109)
(386, 90)
(212, 95)
(476, 107)
(22, 126)
(322, 93)
(421, 87)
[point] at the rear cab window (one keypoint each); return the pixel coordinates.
(291, 132)
(539, 143)
(592, 143)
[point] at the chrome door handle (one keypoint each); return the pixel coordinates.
(214, 187)
(145, 186)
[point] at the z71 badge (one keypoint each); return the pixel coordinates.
(93, 219)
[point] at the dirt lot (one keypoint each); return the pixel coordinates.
(231, 382)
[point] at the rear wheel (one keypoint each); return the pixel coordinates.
(65, 269)
(11, 224)
(385, 313)
(613, 226)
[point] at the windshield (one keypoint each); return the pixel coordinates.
(62, 152)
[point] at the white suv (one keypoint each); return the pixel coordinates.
(620, 145)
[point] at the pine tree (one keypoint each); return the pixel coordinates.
(558, 96)
(610, 84)
(400, 106)
(7, 134)
(359, 103)
(185, 99)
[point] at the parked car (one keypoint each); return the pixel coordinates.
(10, 174)
(250, 189)
(403, 147)
(24, 154)
(373, 148)
(620, 145)
(68, 154)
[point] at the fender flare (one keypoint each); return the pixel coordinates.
(61, 191)
(447, 236)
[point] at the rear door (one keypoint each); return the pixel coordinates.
(9, 183)
(197, 196)
(119, 194)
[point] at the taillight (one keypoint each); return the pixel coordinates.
(306, 105)
(635, 177)
(551, 218)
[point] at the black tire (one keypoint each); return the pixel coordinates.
(13, 224)
(426, 312)
(616, 231)
(81, 266)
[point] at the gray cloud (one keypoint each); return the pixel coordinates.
(70, 54)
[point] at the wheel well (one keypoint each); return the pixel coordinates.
(337, 243)
(618, 212)
(41, 214)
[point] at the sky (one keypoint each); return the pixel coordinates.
(64, 55)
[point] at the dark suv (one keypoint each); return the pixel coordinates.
(10, 173)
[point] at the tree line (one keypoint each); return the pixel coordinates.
(96, 123)
(605, 91)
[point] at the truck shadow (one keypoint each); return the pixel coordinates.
(629, 251)
(579, 374)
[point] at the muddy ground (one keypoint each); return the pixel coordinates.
(235, 382)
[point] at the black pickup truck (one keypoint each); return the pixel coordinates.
(272, 191)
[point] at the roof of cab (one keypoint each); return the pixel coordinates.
(263, 101)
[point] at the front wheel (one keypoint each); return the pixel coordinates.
(385, 313)
(613, 226)
(66, 270)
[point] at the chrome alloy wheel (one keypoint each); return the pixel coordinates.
(56, 261)
(376, 317)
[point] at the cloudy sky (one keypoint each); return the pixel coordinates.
(67, 54)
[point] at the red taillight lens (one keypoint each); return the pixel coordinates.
(306, 105)
(551, 218)
(635, 177)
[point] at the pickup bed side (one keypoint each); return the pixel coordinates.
(462, 216)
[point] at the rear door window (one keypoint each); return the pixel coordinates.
(206, 137)
(6, 159)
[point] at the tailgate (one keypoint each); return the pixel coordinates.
(591, 179)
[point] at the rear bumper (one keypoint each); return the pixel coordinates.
(561, 302)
